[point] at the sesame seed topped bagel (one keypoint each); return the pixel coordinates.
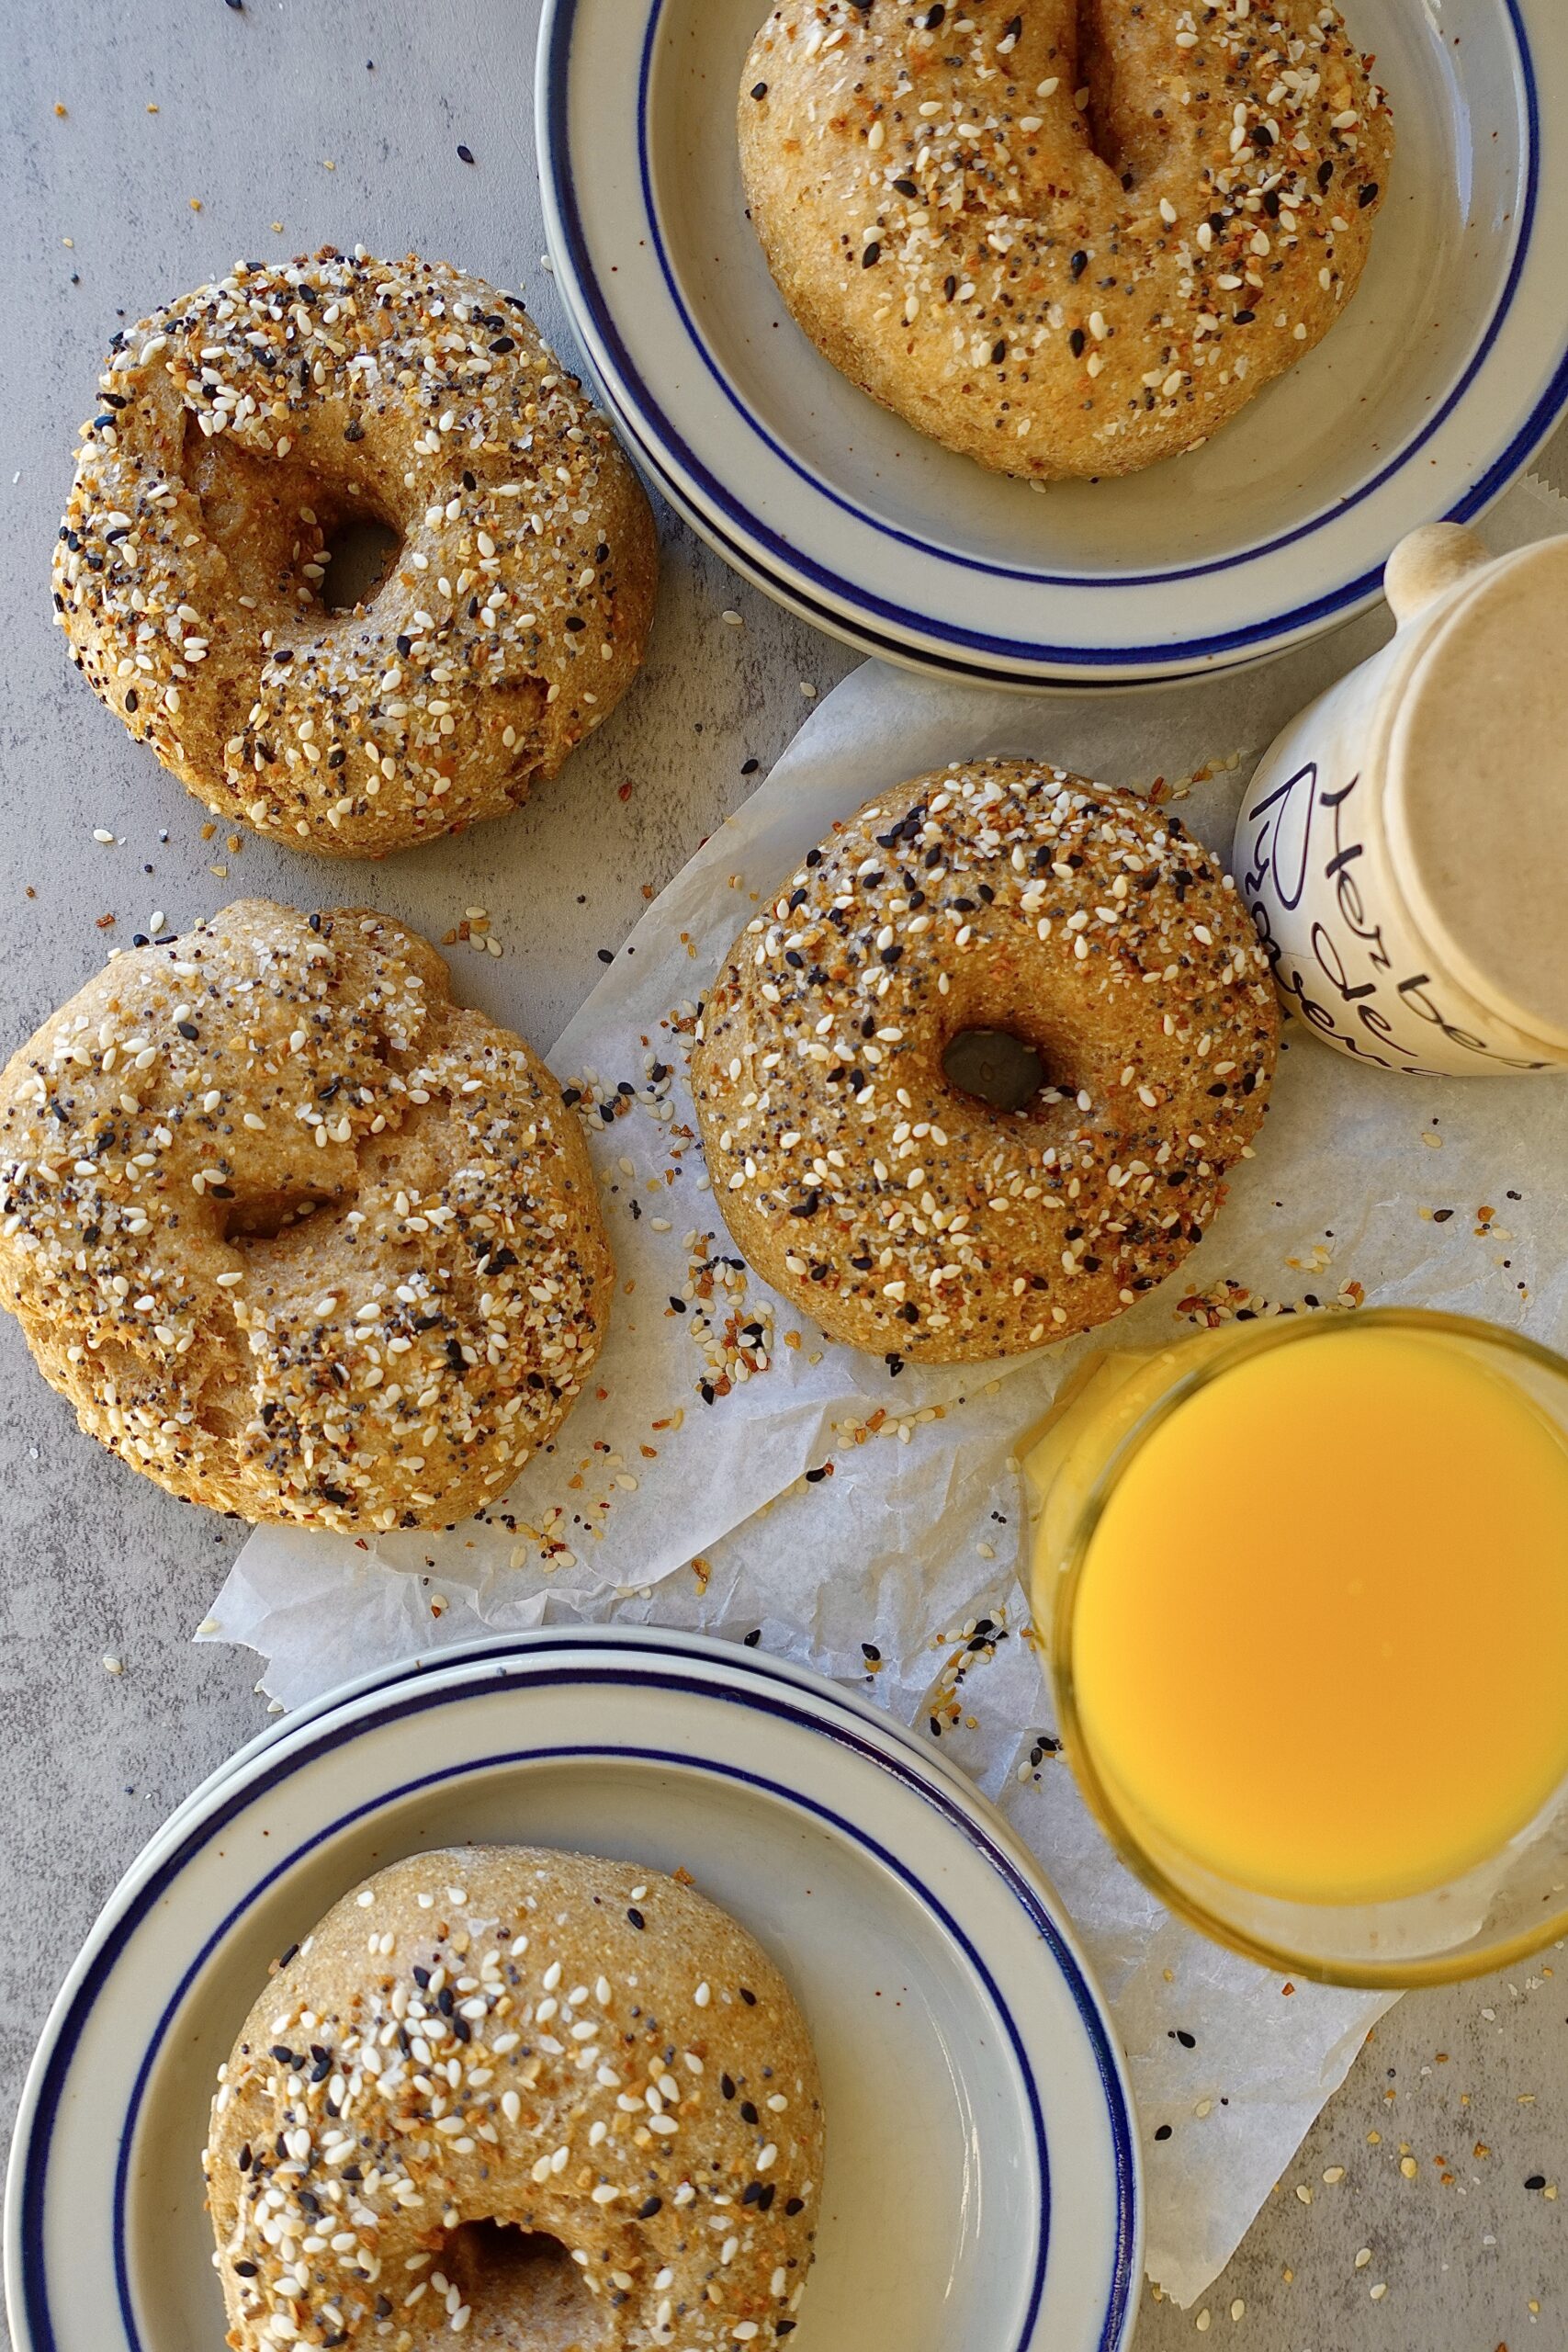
(554, 2103)
(239, 431)
(1070, 238)
(998, 903)
(297, 1235)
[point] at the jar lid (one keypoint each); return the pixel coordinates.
(1477, 796)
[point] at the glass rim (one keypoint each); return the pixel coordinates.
(1392, 1976)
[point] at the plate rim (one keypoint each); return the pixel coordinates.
(591, 312)
(279, 1750)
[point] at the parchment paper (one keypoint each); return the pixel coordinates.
(867, 1520)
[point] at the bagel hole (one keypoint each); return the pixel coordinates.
(360, 554)
(264, 1215)
(289, 537)
(527, 2281)
(993, 1067)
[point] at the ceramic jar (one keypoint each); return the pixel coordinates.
(1404, 844)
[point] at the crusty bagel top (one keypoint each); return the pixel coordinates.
(578, 2048)
(237, 428)
(902, 1213)
(1067, 238)
(298, 1237)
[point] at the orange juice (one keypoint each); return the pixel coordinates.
(1320, 1638)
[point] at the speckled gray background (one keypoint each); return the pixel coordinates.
(341, 121)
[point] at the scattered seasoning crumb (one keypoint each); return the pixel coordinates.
(113, 1665)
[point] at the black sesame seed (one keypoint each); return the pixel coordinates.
(746, 1995)
(999, 353)
(759, 90)
(1245, 318)
(649, 2207)
(794, 2205)
(1367, 195)
(1078, 264)
(466, 155)
(1076, 342)
(871, 256)
(1162, 2132)
(935, 15)
(636, 1918)
(1536, 2180)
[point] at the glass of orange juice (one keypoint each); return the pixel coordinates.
(1305, 1589)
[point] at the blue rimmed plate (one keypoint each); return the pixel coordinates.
(968, 2066)
(1448, 370)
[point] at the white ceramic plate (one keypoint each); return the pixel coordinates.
(1448, 370)
(968, 2068)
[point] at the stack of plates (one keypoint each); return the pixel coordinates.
(1448, 370)
(981, 2186)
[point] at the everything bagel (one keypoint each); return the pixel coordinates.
(553, 2103)
(903, 1213)
(238, 431)
(297, 1235)
(1067, 238)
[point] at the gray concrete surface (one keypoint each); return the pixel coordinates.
(188, 129)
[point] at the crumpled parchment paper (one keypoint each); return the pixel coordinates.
(866, 1520)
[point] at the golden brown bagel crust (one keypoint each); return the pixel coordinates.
(297, 1235)
(575, 2049)
(907, 1216)
(237, 429)
(937, 207)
